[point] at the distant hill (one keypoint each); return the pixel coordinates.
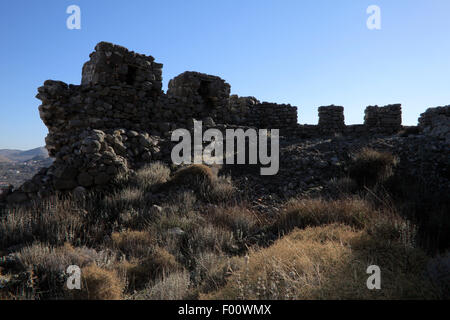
(3, 159)
(21, 156)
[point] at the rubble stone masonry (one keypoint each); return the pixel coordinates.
(119, 118)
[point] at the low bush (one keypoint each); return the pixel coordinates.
(343, 186)
(302, 213)
(220, 190)
(370, 167)
(194, 176)
(151, 176)
(133, 243)
(49, 264)
(99, 284)
(53, 221)
(238, 219)
(175, 286)
(155, 266)
(207, 237)
(124, 199)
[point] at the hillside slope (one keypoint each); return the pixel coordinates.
(21, 156)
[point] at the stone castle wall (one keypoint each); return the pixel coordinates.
(386, 119)
(436, 122)
(331, 118)
(119, 118)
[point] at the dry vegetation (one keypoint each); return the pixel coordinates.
(371, 167)
(200, 242)
(327, 262)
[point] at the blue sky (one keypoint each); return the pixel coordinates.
(306, 53)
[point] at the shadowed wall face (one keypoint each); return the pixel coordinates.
(386, 119)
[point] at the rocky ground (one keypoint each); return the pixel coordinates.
(309, 166)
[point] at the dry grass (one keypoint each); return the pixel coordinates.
(237, 219)
(125, 199)
(220, 190)
(370, 167)
(99, 284)
(343, 186)
(48, 265)
(42, 257)
(211, 270)
(152, 175)
(301, 213)
(326, 248)
(156, 265)
(172, 287)
(54, 221)
(204, 181)
(194, 176)
(133, 243)
(327, 262)
(207, 237)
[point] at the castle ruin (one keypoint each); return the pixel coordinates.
(119, 118)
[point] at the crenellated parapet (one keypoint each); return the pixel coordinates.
(387, 119)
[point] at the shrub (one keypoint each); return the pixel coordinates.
(49, 264)
(175, 286)
(122, 179)
(302, 213)
(438, 270)
(194, 176)
(183, 203)
(133, 243)
(207, 238)
(124, 199)
(148, 216)
(370, 167)
(344, 185)
(427, 204)
(99, 284)
(152, 175)
(54, 221)
(219, 190)
(238, 219)
(211, 270)
(179, 212)
(156, 265)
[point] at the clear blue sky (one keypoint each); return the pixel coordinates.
(306, 53)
